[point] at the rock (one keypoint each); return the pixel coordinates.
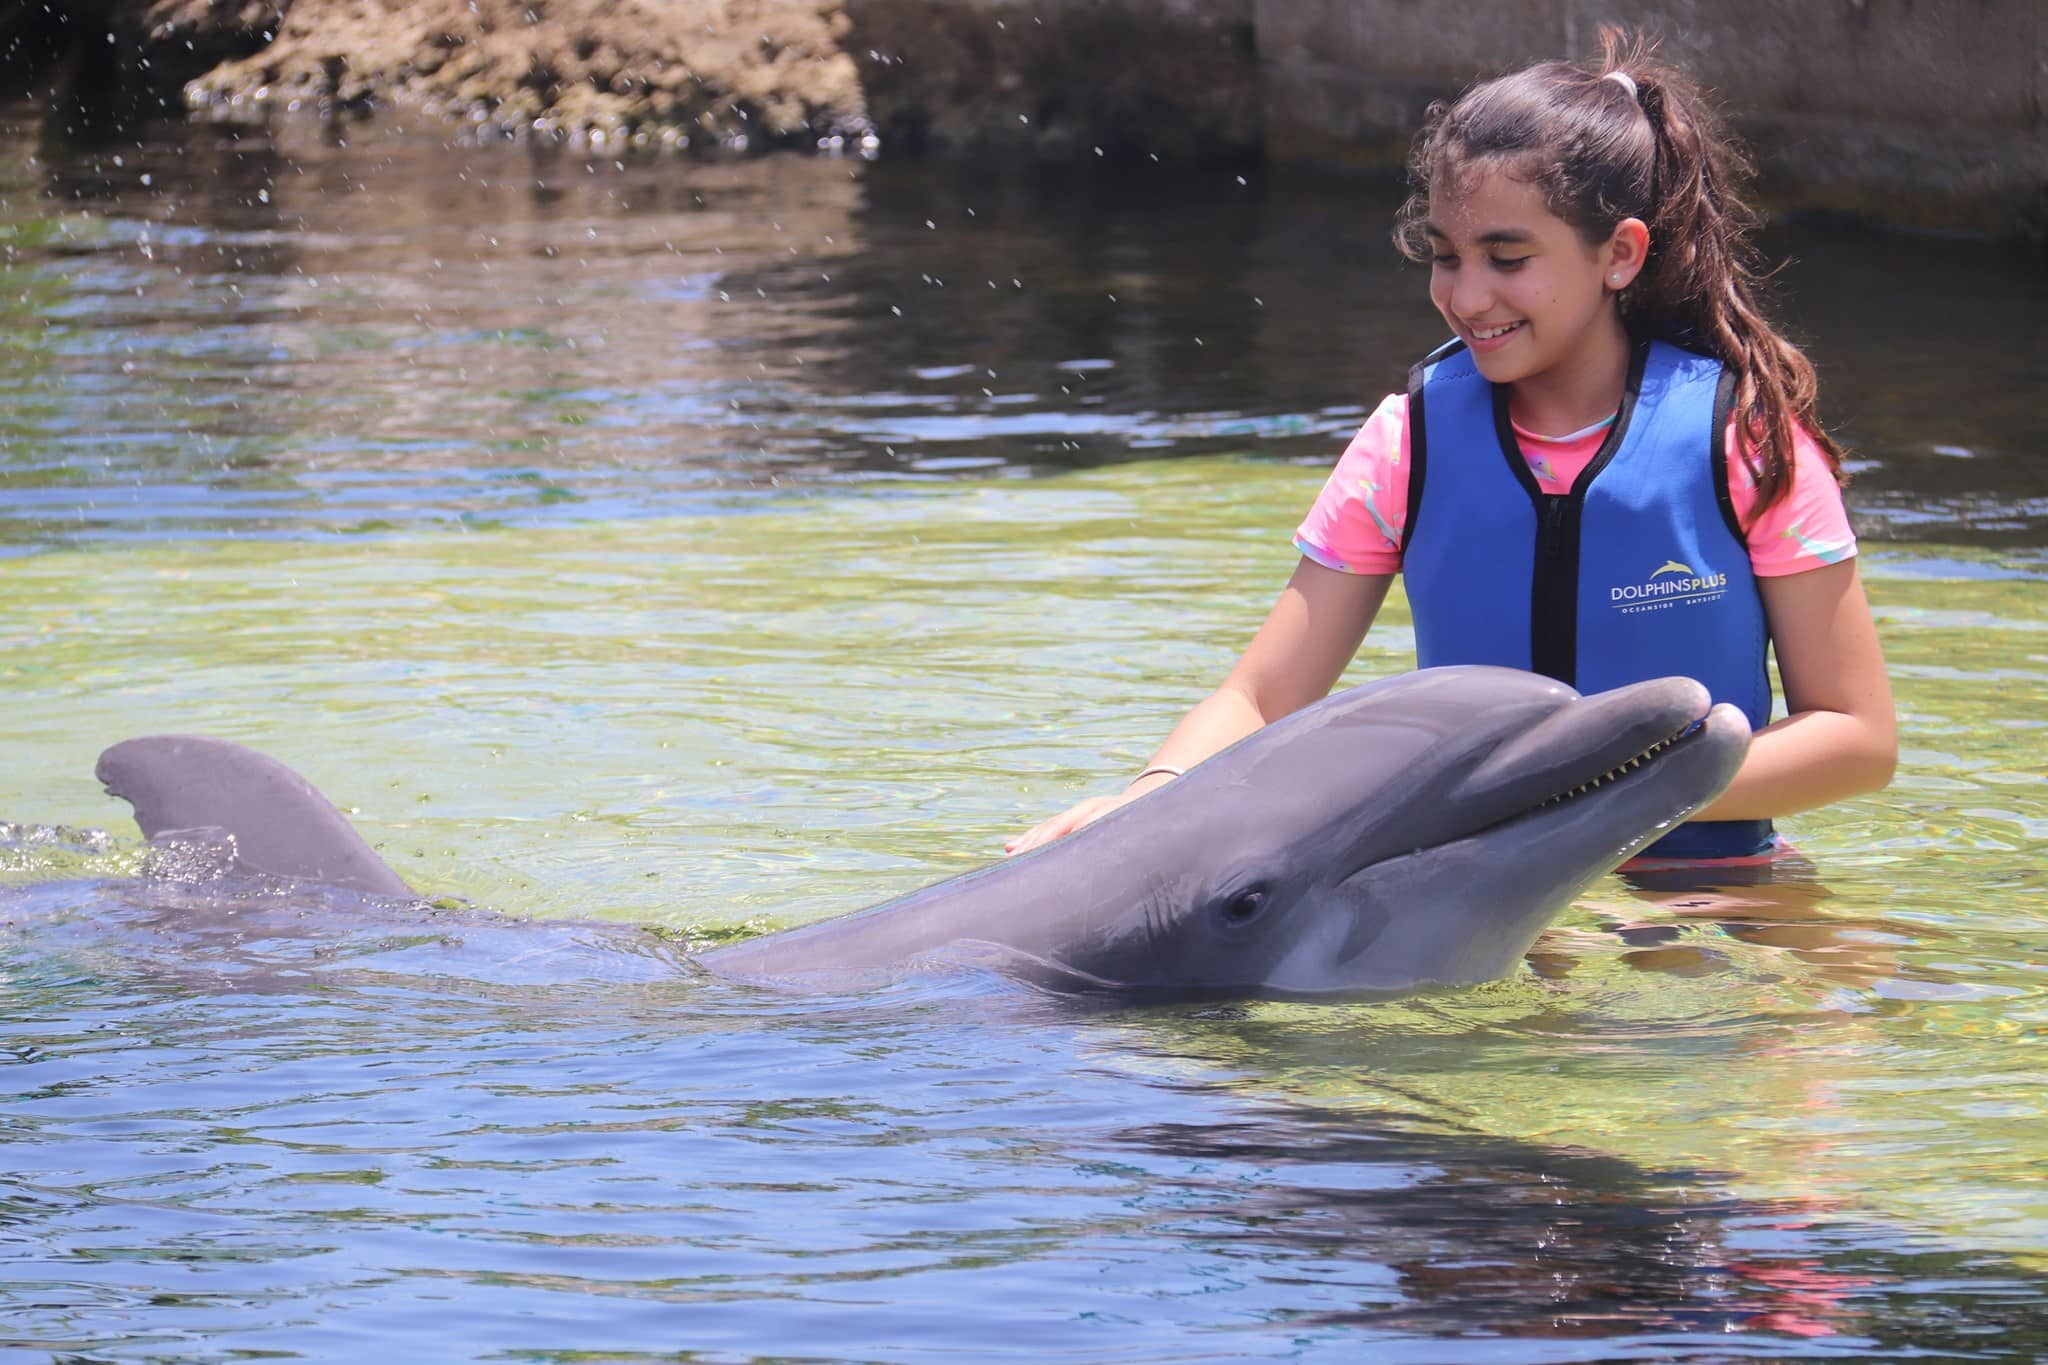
(737, 72)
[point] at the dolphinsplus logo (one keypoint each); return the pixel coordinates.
(1672, 584)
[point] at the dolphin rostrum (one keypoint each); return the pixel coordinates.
(1422, 829)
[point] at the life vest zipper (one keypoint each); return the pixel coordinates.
(1555, 506)
(1554, 588)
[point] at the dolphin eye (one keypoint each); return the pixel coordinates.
(1243, 908)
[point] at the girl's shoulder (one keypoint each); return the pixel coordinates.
(1391, 409)
(1382, 439)
(1808, 526)
(1358, 521)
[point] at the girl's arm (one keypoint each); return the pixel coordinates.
(1840, 737)
(1296, 658)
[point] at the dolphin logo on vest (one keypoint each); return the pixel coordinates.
(1672, 584)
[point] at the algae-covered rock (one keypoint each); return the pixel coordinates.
(739, 72)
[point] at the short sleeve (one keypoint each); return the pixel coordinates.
(1357, 521)
(1806, 528)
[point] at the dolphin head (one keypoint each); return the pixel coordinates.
(1419, 830)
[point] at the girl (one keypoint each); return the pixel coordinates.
(1613, 472)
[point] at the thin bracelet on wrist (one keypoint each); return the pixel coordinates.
(1154, 771)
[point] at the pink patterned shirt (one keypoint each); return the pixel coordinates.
(1356, 524)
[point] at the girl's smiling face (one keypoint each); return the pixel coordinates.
(1520, 286)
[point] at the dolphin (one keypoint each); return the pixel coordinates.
(1419, 830)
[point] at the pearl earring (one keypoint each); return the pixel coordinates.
(1614, 279)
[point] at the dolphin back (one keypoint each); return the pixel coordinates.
(282, 826)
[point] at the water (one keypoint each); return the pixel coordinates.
(626, 568)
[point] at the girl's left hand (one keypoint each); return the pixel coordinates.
(1081, 813)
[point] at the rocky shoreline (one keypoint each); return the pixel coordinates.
(739, 75)
(1930, 117)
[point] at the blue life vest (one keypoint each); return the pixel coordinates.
(1640, 571)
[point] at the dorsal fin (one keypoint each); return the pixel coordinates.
(282, 825)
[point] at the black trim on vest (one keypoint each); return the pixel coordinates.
(1554, 576)
(1418, 442)
(1724, 403)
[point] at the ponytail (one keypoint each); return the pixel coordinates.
(1600, 148)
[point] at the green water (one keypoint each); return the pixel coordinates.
(753, 720)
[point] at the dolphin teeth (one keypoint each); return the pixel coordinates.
(1615, 774)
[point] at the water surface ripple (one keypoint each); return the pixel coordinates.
(698, 548)
(223, 330)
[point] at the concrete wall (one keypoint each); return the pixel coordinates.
(1925, 112)
(1918, 112)
(1177, 78)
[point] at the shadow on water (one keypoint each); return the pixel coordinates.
(1473, 1236)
